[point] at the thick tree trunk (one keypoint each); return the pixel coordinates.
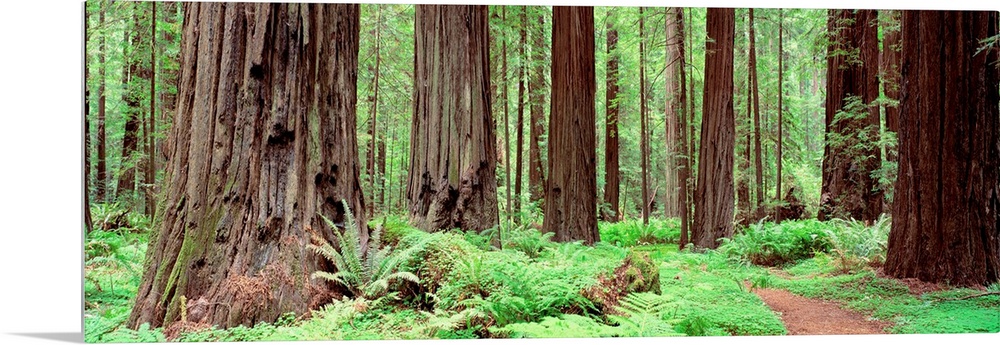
(452, 182)
(673, 111)
(571, 189)
(260, 148)
(890, 75)
(611, 179)
(519, 167)
(945, 225)
(101, 186)
(713, 208)
(851, 154)
(682, 157)
(537, 94)
(758, 165)
(643, 120)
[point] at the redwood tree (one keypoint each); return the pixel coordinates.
(452, 178)
(537, 94)
(713, 206)
(889, 64)
(673, 112)
(571, 187)
(945, 224)
(263, 142)
(852, 118)
(611, 180)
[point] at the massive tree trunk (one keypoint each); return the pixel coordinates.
(611, 169)
(890, 75)
(452, 182)
(713, 208)
(571, 189)
(262, 145)
(852, 120)
(537, 94)
(945, 225)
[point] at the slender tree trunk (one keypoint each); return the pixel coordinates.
(643, 119)
(851, 154)
(571, 189)
(262, 145)
(88, 222)
(688, 129)
(890, 76)
(102, 175)
(945, 225)
(674, 114)
(713, 213)
(758, 165)
(520, 109)
(150, 177)
(130, 96)
(536, 96)
(684, 156)
(745, 211)
(611, 179)
(506, 114)
(452, 176)
(781, 95)
(373, 125)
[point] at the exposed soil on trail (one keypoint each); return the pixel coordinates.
(805, 316)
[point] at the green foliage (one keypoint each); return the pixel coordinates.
(646, 315)
(366, 274)
(857, 245)
(772, 244)
(632, 232)
(142, 335)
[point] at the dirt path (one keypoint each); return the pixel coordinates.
(803, 316)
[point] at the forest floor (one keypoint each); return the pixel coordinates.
(808, 316)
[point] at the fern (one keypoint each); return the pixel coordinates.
(645, 315)
(365, 274)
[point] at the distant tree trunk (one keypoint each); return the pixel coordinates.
(373, 125)
(688, 130)
(130, 96)
(102, 172)
(744, 210)
(150, 174)
(611, 179)
(945, 225)
(643, 119)
(713, 208)
(506, 119)
(852, 120)
(168, 97)
(758, 165)
(452, 182)
(781, 72)
(571, 189)
(537, 94)
(88, 223)
(890, 76)
(674, 113)
(519, 167)
(262, 144)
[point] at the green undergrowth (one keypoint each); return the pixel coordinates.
(632, 232)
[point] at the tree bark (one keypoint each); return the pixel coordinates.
(682, 157)
(713, 208)
(537, 94)
(673, 111)
(519, 167)
(150, 174)
(506, 112)
(452, 181)
(945, 225)
(758, 165)
(102, 175)
(643, 120)
(781, 72)
(88, 222)
(611, 168)
(571, 189)
(130, 96)
(744, 210)
(851, 154)
(262, 145)
(890, 76)
(373, 125)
